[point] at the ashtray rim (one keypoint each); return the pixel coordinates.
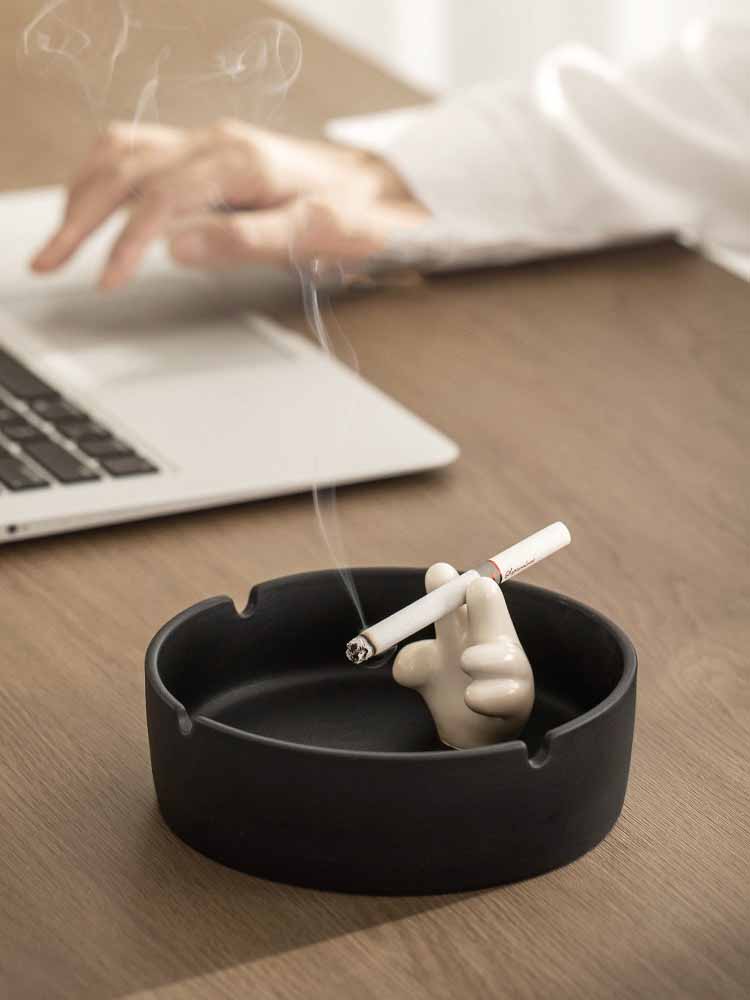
(186, 722)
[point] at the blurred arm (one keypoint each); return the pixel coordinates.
(587, 155)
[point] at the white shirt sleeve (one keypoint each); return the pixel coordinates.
(587, 155)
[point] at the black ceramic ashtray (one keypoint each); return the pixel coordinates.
(271, 753)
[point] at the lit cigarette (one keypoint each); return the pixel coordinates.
(442, 601)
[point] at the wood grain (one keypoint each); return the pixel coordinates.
(611, 390)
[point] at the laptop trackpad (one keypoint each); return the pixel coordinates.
(125, 341)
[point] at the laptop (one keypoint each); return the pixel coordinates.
(172, 395)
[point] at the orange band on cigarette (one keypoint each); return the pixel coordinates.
(499, 571)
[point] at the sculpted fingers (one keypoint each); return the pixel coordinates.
(502, 684)
(414, 664)
(438, 575)
(452, 628)
(505, 698)
(489, 618)
(502, 658)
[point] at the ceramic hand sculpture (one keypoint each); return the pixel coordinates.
(474, 676)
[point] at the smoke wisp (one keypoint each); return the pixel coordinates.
(80, 38)
(312, 280)
(95, 43)
(247, 74)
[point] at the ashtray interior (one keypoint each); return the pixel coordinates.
(350, 708)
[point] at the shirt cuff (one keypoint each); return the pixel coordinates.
(478, 177)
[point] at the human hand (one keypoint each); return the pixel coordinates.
(474, 676)
(227, 195)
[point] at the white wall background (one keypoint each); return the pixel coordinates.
(442, 44)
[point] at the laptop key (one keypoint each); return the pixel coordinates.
(21, 382)
(63, 466)
(8, 414)
(21, 431)
(56, 410)
(81, 430)
(128, 465)
(105, 447)
(16, 475)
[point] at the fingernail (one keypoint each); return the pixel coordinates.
(189, 247)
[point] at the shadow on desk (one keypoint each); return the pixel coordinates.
(202, 917)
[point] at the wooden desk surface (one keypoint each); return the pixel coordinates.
(611, 390)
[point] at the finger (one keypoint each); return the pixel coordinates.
(189, 183)
(489, 617)
(225, 239)
(505, 698)
(124, 139)
(503, 657)
(148, 220)
(341, 230)
(117, 164)
(88, 207)
(414, 663)
(451, 628)
(295, 232)
(438, 575)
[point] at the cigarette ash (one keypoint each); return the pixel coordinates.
(358, 650)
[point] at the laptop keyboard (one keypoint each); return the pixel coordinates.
(46, 439)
